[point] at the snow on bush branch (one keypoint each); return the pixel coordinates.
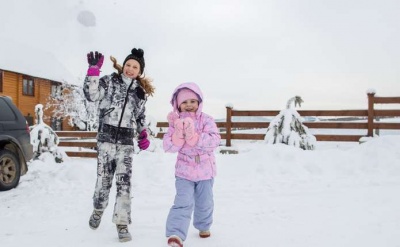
(43, 138)
(288, 128)
(69, 102)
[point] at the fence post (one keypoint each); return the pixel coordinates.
(228, 125)
(370, 114)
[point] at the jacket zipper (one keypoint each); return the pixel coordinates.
(123, 110)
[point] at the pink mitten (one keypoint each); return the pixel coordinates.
(178, 138)
(93, 71)
(172, 116)
(143, 142)
(95, 61)
(191, 136)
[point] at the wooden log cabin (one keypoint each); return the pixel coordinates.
(29, 82)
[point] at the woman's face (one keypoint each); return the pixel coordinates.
(131, 69)
(190, 105)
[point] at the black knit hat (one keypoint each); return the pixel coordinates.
(136, 54)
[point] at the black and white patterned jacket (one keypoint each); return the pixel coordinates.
(121, 107)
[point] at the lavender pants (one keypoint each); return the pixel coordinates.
(189, 195)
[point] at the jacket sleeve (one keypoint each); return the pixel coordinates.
(141, 119)
(209, 137)
(95, 88)
(141, 115)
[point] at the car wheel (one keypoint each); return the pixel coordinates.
(10, 170)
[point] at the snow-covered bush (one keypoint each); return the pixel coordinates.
(288, 128)
(72, 103)
(43, 138)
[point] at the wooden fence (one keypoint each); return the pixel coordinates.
(371, 114)
(81, 140)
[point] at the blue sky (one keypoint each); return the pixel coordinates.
(253, 54)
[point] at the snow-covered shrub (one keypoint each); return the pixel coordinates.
(43, 138)
(72, 103)
(288, 128)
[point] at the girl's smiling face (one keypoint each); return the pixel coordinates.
(131, 69)
(190, 105)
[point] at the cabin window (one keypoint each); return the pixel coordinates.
(56, 90)
(1, 81)
(28, 86)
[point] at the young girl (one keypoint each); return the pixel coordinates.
(122, 97)
(194, 136)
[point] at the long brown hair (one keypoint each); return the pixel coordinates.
(144, 81)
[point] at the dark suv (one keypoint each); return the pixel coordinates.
(15, 145)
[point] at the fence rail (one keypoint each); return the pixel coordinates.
(79, 138)
(83, 141)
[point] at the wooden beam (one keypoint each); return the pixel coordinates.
(87, 134)
(387, 100)
(77, 144)
(82, 154)
(387, 113)
(339, 138)
(387, 126)
(336, 125)
(317, 113)
(254, 113)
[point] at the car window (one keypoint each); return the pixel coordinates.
(6, 113)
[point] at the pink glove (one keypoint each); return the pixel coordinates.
(143, 142)
(95, 62)
(172, 116)
(177, 137)
(191, 136)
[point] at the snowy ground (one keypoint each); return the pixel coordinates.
(340, 195)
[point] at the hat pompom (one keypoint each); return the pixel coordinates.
(137, 52)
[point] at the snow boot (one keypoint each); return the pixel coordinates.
(95, 219)
(205, 234)
(175, 241)
(123, 233)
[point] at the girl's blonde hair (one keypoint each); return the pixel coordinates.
(145, 82)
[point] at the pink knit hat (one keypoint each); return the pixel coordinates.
(185, 94)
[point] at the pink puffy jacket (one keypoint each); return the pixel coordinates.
(198, 162)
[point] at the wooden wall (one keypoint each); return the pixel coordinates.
(12, 86)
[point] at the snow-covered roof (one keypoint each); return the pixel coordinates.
(24, 59)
